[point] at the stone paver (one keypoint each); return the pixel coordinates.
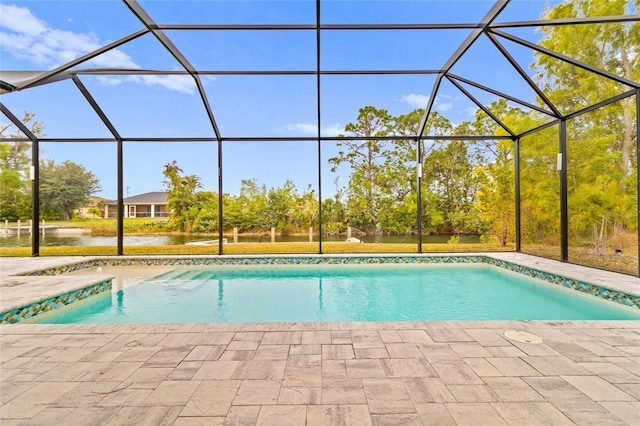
(422, 373)
(141, 375)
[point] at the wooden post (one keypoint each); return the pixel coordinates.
(235, 235)
(348, 232)
(311, 234)
(43, 227)
(273, 235)
(18, 228)
(31, 227)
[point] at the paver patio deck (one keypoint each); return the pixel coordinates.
(403, 373)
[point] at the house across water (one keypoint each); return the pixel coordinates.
(150, 204)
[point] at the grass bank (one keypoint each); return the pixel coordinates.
(254, 248)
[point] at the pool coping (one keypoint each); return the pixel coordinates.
(89, 285)
(52, 299)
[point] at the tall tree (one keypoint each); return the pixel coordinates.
(612, 47)
(182, 200)
(65, 187)
(366, 159)
(400, 174)
(601, 144)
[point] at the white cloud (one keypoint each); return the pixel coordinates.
(415, 99)
(179, 83)
(27, 37)
(332, 130)
(305, 128)
(445, 106)
(20, 20)
(109, 80)
(312, 129)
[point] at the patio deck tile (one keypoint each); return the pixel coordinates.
(442, 373)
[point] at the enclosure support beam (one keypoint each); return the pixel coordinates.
(564, 213)
(220, 198)
(120, 218)
(419, 191)
(35, 196)
(516, 171)
(638, 166)
(105, 120)
(35, 179)
(319, 131)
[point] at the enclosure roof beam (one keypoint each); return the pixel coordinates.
(139, 71)
(303, 27)
(603, 103)
(524, 75)
(567, 59)
(16, 122)
(476, 33)
(6, 87)
(540, 127)
(49, 76)
(568, 21)
(96, 107)
(482, 107)
(430, 102)
(492, 14)
(142, 15)
(269, 139)
(501, 94)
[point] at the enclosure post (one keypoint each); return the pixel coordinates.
(311, 234)
(319, 130)
(235, 235)
(419, 192)
(273, 234)
(19, 228)
(120, 218)
(35, 196)
(348, 232)
(44, 226)
(564, 213)
(516, 171)
(220, 224)
(638, 167)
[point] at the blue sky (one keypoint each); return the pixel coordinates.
(40, 35)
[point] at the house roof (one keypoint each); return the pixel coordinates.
(158, 197)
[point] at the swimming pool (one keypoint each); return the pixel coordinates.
(311, 293)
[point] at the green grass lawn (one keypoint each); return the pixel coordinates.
(254, 248)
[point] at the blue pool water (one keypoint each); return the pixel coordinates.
(338, 293)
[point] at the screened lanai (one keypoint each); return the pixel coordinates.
(327, 126)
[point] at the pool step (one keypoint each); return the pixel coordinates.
(184, 274)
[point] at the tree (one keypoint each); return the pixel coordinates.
(449, 173)
(15, 159)
(601, 144)
(365, 157)
(182, 199)
(401, 175)
(64, 188)
(612, 47)
(494, 170)
(246, 210)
